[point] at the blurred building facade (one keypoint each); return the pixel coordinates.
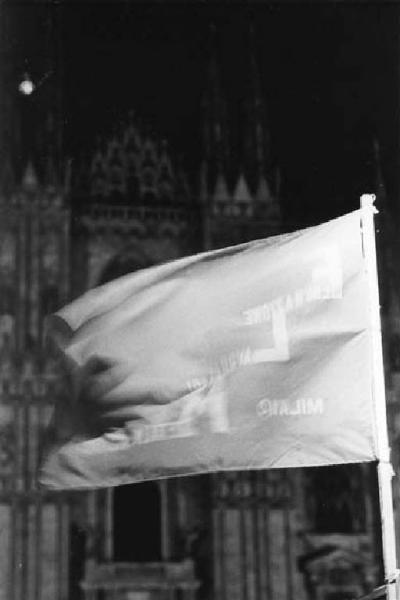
(69, 226)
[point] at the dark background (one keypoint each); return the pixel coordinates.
(329, 73)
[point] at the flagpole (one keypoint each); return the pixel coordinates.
(385, 470)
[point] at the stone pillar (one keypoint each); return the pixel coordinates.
(255, 537)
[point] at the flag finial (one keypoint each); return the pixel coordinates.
(367, 201)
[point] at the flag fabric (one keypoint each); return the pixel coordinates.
(254, 356)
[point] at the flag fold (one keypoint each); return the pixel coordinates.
(253, 356)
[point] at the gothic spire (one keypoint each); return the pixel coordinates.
(215, 129)
(379, 184)
(256, 134)
(30, 180)
(51, 156)
(55, 71)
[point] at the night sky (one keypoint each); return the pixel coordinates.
(329, 71)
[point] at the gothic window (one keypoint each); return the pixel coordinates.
(7, 323)
(50, 258)
(137, 522)
(7, 286)
(7, 298)
(7, 454)
(7, 316)
(336, 499)
(7, 254)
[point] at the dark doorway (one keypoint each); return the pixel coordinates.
(137, 507)
(338, 499)
(77, 552)
(137, 523)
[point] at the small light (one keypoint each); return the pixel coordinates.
(26, 87)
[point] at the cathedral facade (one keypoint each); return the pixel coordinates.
(309, 534)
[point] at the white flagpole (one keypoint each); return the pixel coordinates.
(385, 470)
